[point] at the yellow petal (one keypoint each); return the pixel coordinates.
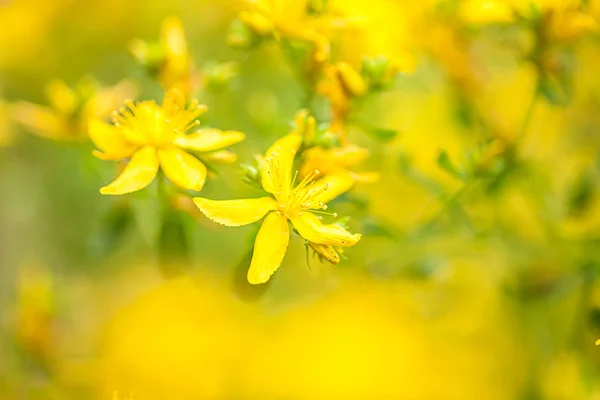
(352, 82)
(269, 248)
(107, 99)
(174, 101)
(326, 251)
(365, 177)
(61, 97)
(183, 169)
(173, 38)
(350, 155)
(108, 139)
(209, 139)
(40, 120)
(139, 173)
(219, 157)
(235, 212)
(276, 169)
(330, 187)
(312, 229)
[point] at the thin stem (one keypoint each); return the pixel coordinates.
(528, 114)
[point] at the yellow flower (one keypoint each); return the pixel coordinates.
(378, 27)
(297, 204)
(486, 11)
(337, 161)
(151, 135)
(35, 311)
(70, 110)
(288, 19)
(171, 58)
(563, 19)
(570, 24)
(340, 83)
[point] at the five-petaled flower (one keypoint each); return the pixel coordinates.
(71, 109)
(150, 135)
(297, 204)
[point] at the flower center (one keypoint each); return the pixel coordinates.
(146, 123)
(305, 196)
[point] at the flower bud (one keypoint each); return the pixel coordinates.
(149, 55)
(379, 71)
(305, 125)
(257, 22)
(220, 74)
(240, 35)
(352, 82)
(325, 252)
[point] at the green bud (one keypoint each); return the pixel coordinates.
(251, 173)
(305, 125)
(379, 72)
(343, 222)
(325, 138)
(240, 35)
(149, 55)
(220, 74)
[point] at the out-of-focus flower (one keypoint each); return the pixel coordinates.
(570, 24)
(70, 110)
(379, 71)
(377, 27)
(337, 161)
(289, 19)
(563, 20)
(486, 11)
(340, 83)
(151, 135)
(35, 312)
(316, 347)
(169, 59)
(294, 203)
(563, 378)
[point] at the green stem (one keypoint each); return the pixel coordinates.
(528, 114)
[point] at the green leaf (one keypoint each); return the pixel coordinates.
(382, 134)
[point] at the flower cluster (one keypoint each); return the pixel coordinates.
(301, 171)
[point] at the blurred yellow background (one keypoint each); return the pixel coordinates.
(476, 275)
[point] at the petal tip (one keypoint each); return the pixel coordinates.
(258, 279)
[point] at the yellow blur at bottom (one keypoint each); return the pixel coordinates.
(193, 339)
